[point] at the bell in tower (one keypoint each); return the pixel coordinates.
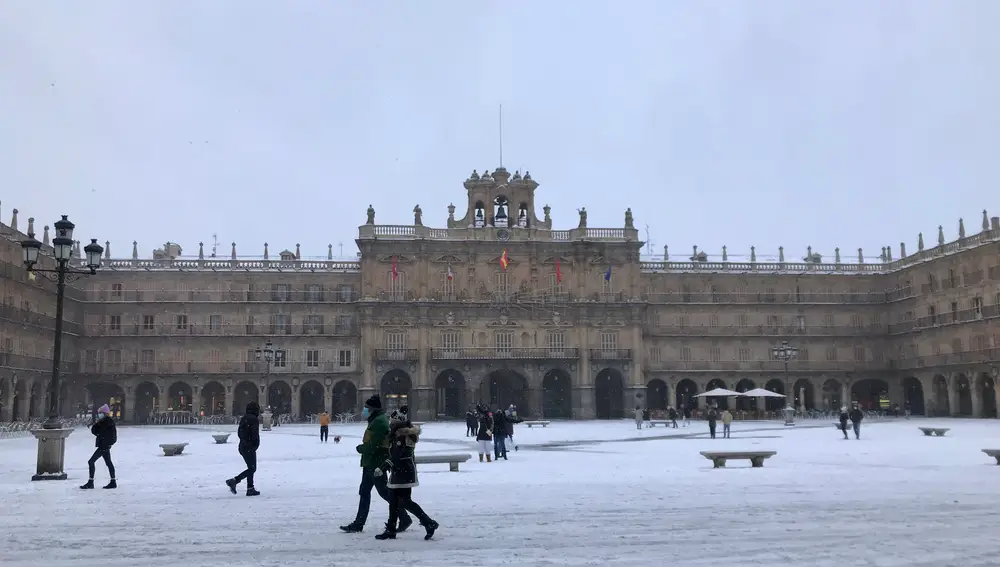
(500, 205)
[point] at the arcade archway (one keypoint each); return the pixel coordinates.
(502, 388)
(279, 397)
(244, 393)
(803, 386)
(778, 387)
(213, 398)
(721, 403)
(449, 387)
(395, 388)
(743, 402)
(913, 395)
(656, 395)
(867, 392)
(557, 391)
(987, 395)
(609, 394)
(146, 402)
(311, 399)
(179, 397)
(686, 392)
(345, 397)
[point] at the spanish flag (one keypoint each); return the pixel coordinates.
(504, 261)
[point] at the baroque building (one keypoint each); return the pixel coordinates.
(500, 307)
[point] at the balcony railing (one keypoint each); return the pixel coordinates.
(225, 330)
(413, 232)
(762, 331)
(843, 298)
(611, 354)
(208, 367)
(40, 364)
(326, 296)
(494, 353)
(775, 366)
(24, 317)
(947, 318)
(985, 356)
(244, 264)
(408, 354)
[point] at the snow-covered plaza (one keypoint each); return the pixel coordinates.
(577, 493)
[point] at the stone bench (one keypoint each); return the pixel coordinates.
(995, 453)
(452, 460)
(756, 458)
(221, 438)
(934, 431)
(531, 424)
(172, 449)
(663, 422)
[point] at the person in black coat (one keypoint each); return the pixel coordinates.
(484, 434)
(499, 435)
(713, 417)
(470, 423)
(249, 434)
(856, 416)
(402, 468)
(843, 421)
(672, 414)
(105, 436)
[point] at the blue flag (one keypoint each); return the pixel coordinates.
(607, 274)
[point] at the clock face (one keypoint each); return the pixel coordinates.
(503, 234)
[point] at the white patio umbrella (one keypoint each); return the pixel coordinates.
(718, 393)
(761, 393)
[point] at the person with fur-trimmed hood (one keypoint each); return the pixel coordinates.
(402, 470)
(484, 434)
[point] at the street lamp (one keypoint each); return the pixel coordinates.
(785, 352)
(52, 437)
(266, 354)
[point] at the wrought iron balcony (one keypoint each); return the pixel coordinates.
(611, 354)
(494, 353)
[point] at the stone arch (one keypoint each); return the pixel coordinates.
(244, 393)
(5, 390)
(147, 401)
(721, 403)
(395, 389)
(656, 395)
(449, 387)
(36, 407)
(19, 411)
(804, 386)
(913, 395)
(213, 398)
(311, 400)
(743, 402)
(685, 394)
(178, 397)
(778, 387)
(557, 394)
(609, 394)
(866, 392)
(107, 393)
(501, 388)
(942, 397)
(963, 389)
(987, 395)
(832, 395)
(279, 397)
(345, 397)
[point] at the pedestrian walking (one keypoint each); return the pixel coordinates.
(324, 427)
(402, 469)
(105, 436)
(249, 435)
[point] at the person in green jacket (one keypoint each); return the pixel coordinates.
(374, 450)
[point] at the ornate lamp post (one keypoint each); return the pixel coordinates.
(786, 352)
(266, 353)
(52, 437)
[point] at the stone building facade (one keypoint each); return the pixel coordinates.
(500, 307)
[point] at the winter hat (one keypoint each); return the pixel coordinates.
(374, 402)
(403, 411)
(104, 409)
(843, 408)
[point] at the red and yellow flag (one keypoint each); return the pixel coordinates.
(504, 261)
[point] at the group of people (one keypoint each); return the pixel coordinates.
(492, 429)
(387, 465)
(643, 417)
(855, 416)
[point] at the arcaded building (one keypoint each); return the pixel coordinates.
(497, 305)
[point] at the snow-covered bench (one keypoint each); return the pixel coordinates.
(534, 423)
(663, 422)
(172, 449)
(453, 460)
(934, 431)
(756, 458)
(221, 438)
(995, 453)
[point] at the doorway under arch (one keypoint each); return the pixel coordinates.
(987, 395)
(106, 393)
(964, 391)
(742, 402)
(146, 401)
(244, 393)
(913, 395)
(557, 401)
(804, 386)
(279, 397)
(778, 387)
(833, 395)
(942, 397)
(609, 394)
(502, 388)
(345, 398)
(685, 395)
(450, 388)
(656, 395)
(395, 388)
(213, 398)
(311, 396)
(721, 403)
(866, 393)
(178, 397)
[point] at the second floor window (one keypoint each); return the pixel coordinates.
(504, 341)
(609, 340)
(312, 358)
(450, 341)
(148, 322)
(182, 322)
(115, 323)
(314, 293)
(556, 341)
(395, 340)
(345, 358)
(281, 324)
(397, 285)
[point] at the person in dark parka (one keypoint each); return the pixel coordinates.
(484, 434)
(856, 416)
(249, 434)
(713, 417)
(499, 435)
(470, 423)
(843, 421)
(402, 467)
(105, 436)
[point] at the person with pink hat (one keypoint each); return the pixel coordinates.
(106, 435)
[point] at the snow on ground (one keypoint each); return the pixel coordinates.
(577, 493)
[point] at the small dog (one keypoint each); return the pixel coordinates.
(336, 438)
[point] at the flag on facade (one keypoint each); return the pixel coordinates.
(395, 272)
(451, 274)
(607, 274)
(504, 261)
(558, 272)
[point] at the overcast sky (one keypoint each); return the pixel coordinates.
(767, 123)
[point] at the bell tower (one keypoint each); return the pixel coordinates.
(499, 200)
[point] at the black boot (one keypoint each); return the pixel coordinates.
(430, 526)
(353, 528)
(88, 486)
(251, 491)
(404, 524)
(231, 483)
(387, 534)
(112, 484)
